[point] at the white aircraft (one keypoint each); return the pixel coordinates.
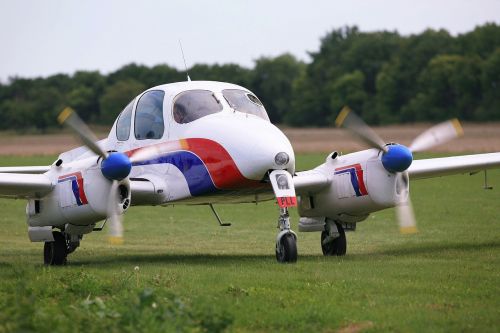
(204, 143)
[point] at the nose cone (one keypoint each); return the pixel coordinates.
(255, 145)
(398, 158)
(116, 166)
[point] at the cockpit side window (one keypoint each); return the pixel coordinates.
(195, 104)
(123, 123)
(149, 116)
(244, 101)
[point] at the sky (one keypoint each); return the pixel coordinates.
(41, 38)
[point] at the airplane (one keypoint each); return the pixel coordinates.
(205, 143)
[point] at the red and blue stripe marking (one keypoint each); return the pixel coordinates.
(206, 165)
(76, 180)
(356, 173)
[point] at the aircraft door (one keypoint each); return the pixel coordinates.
(150, 127)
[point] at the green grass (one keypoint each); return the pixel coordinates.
(196, 276)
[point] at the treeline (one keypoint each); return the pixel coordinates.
(385, 77)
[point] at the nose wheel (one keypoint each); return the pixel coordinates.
(286, 241)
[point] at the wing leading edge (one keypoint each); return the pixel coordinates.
(437, 167)
(25, 169)
(18, 185)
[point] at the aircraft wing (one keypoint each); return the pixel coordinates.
(437, 167)
(310, 181)
(19, 185)
(25, 169)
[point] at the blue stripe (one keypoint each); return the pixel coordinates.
(192, 167)
(76, 192)
(74, 188)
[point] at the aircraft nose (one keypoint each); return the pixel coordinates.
(255, 145)
(268, 149)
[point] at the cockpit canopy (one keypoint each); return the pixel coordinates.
(245, 102)
(186, 107)
(195, 104)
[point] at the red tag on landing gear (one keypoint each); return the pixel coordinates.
(287, 202)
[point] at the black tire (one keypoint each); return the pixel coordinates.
(288, 249)
(337, 247)
(55, 253)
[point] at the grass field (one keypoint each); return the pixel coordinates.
(179, 271)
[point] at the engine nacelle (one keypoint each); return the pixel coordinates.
(80, 197)
(359, 185)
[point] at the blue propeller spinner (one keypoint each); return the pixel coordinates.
(398, 158)
(116, 166)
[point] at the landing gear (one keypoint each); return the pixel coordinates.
(286, 241)
(55, 253)
(333, 241)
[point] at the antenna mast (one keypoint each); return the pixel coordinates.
(184, 58)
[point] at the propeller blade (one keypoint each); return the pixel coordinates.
(349, 120)
(437, 135)
(406, 217)
(69, 118)
(154, 151)
(404, 208)
(115, 219)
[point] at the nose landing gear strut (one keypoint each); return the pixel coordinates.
(286, 241)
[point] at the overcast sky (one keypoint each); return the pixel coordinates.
(40, 38)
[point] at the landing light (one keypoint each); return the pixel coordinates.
(281, 158)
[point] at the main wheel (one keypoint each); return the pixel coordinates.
(286, 250)
(336, 247)
(54, 253)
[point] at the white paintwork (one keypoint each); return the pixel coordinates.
(40, 234)
(26, 169)
(437, 167)
(18, 185)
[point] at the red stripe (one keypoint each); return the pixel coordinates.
(220, 164)
(79, 180)
(361, 183)
(356, 166)
(83, 197)
(359, 175)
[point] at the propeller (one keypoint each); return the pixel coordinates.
(397, 158)
(115, 167)
(115, 219)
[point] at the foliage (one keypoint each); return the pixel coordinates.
(385, 77)
(116, 97)
(272, 81)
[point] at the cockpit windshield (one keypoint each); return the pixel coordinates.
(194, 104)
(245, 102)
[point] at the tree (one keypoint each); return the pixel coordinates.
(273, 83)
(490, 83)
(482, 41)
(349, 90)
(84, 97)
(116, 97)
(450, 86)
(226, 73)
